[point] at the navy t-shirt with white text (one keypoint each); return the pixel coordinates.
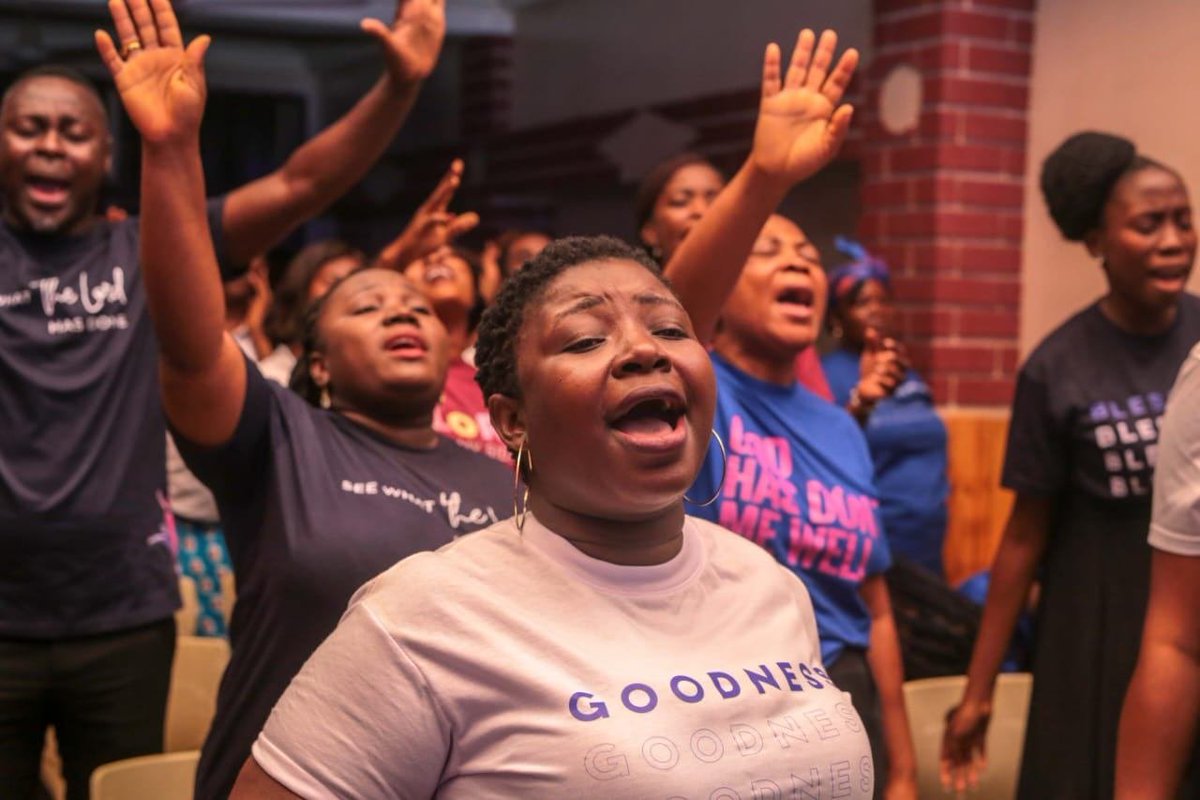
(314, 505)
(798, 482)
(85, 532)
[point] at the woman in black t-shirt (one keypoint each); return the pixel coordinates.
(1080, 458)
(316, 500)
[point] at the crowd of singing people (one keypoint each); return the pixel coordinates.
(565, 516)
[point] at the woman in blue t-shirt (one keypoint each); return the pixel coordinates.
(798, 475)
(906, 436)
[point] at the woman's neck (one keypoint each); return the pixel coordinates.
(1137, 319)
(777, 368)
(639, 543)
(413, 431)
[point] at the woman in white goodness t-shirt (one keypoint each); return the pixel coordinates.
(601, 643)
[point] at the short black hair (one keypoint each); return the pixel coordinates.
(63, 72)
(500, 328)
(1079, 176)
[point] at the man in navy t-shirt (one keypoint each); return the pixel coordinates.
(87, 578)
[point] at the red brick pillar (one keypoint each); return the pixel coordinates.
(942, 202)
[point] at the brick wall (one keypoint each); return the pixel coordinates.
(943, 203)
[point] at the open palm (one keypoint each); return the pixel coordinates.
(413, 41)
(161, 83)
(801, 125)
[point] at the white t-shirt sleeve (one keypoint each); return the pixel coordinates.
(1175, 525)
(358, 691)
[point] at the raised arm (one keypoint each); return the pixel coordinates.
(1020, 552)
(800, 129)
(163, 89)
(262, 212)
(432, 225)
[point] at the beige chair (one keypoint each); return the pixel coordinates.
(199, 664)
(168, 776)
(928, 701)
(189, 612)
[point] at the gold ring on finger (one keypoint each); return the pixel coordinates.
(130, 47)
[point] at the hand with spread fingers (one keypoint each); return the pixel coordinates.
(801, 125)
(412, 42)
(432, 226)
(160, 81)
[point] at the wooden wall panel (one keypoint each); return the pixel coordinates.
(979, 507)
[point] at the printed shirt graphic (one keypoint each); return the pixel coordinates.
(907, 440)
(1088, 406)
(314, 506)
(798, 482)
(462, 414)
(84, 541)
(508, 664)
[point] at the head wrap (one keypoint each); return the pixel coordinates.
(846, 278)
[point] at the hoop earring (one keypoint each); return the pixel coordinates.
(720, 483)
(521, 509)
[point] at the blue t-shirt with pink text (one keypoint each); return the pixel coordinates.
(798, 482)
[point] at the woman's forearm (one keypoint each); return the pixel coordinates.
(183, 283)
(709, 262)
(1013, 572)
(887, 669)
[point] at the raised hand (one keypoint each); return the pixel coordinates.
(881, 368)
(801, 125)
(160, 81)
(412, 42)
(433, 225)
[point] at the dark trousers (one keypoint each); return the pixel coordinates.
(851, 673)
(105, 695)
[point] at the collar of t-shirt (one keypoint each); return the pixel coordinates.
(620, 579)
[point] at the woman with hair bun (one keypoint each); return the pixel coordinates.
(1081, 453)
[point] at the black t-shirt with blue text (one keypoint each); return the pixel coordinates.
(314, 505)
(85, 537)
(1084, 436)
